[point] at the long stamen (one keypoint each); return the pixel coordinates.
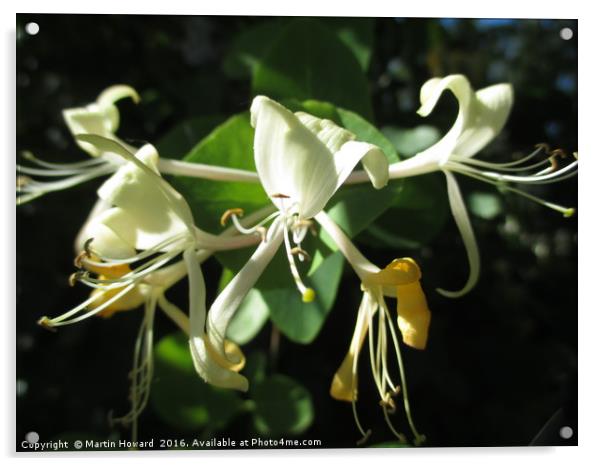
(134, 276)
(107, 261)
(308, 294)
(33, 189)
(142, 371)
(64, 319)
(418, 438)
(60, 166)
(365, 433)
(233, 214)
(399, 435)
(566, 211)
(374, 364)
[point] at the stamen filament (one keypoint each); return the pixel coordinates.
(63, 319)
(566, 211)
(308, 294)
(418, 438)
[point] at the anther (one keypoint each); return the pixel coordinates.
(569, 212)
(543, 146)
(229, 213)
(76, 276)
(280, 196)
(22, 181)
(301, 252)
(78, 259)
(420, 440)
(27, 155)
(388, 403)
(364, 439)
(553, 163)
(46, 323)
(559, 152)
(87, 248)
(308, 295)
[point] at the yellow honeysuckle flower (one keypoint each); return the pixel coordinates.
(413, 314)
(401, 280)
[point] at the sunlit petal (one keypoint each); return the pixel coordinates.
(460, 215)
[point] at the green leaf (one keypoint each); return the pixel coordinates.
(357, 34)
(282, 406)
(308, 61)
(416, 215)
(250, 318)
(410, 141)
(249, 47)
(228, 145)
(181, 398)
(178, 141)
(301, 322)
(419, 209)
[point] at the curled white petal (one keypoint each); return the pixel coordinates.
(305, 158)
(225, 305)
(372, 157)
(460, 215)
(100, 117)
(488, 114)
(204, 363)
(289, 158)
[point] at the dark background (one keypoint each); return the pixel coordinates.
(501, 361)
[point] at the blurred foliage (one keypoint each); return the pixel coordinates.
(501, 361)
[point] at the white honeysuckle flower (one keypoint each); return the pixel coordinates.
(301, 161)
(482, 115)
(100, 117)
(141, 212)
(147, 291)
(401, 280)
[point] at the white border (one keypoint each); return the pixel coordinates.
(589, 249)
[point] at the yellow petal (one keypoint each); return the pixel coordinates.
(399, 272)
(344, 382)
(108, 271)
(413, 315)
(344, 385)
(129, 301)
(233, 353)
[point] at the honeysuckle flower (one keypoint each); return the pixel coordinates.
(100, 117)
(301, 161)
(482, 115)
(399, 279)
(142, 226)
